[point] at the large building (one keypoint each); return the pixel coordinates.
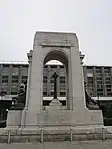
(98, 79)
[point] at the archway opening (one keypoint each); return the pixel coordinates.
(55, 61)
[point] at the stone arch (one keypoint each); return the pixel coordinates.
(56, 54)
(62, 56)
(59, 55)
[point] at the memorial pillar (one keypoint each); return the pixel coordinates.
(78, 94)
(24, 113)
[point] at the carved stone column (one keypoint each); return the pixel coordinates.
(24, 113)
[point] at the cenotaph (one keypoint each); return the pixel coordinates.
(63, 47)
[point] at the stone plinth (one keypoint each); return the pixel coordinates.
(55, 104)
(57, 117)
(14, 119)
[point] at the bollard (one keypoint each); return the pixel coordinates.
(42, 137)
(9, 137)
(71, 137)
(103, 134)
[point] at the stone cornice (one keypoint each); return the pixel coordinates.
(57, 44)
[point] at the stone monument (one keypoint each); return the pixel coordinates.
(77, 117)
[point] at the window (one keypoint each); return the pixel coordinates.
(99, 82)
(52, 80)
(108, 89)
(62, 79)
(62, 93)
(52, 86)
(90, 80)
(98, 75)
(99, 78)
(107, 70)
(6, 65)
(62, 86)
(45, 72)
(46, 66)
(62, 66)
(99, 86)
(44, 88)
(24, 66)
(98, 70)
(13, 93)
(89, 67)
(108, 82)
(24, 78)
(52, 93)
(107, 79)
(44, 93)
(4, 79)
(108, 86)
(99, 89)
(15, 66)
(109, 94)
(100, 93)
(90, 86)
(89, 74)
(53, 66)
(45, 79)
(15, 79)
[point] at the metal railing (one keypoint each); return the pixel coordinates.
(71, 135)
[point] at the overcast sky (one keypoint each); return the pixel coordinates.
(90, 19)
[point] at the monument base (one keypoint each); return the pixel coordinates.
(54, 125)
(55, 117)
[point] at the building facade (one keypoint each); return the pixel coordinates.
(98, 79)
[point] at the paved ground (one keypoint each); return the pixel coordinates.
(60, 145)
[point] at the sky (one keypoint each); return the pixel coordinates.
(91, 20)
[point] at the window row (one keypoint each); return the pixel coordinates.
(52, 93)
(13, 65)
(53, 66)
(15, 79)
